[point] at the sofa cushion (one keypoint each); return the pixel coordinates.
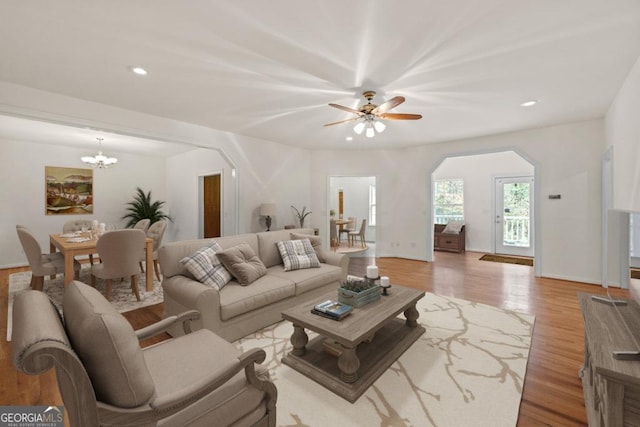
(243, 263)
(236, 299)
(316, 242)
(298, 254)
(194, 360)
(311, 278)
(206, 268)
(107, 346)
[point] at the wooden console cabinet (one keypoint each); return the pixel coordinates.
(448, 242)
(611, 386)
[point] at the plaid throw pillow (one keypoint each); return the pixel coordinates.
(298, 254)
(206, 267)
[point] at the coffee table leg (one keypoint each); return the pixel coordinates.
(411, 314)
(348, 364)
(299, 340)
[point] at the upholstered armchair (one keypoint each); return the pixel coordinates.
(106, 378)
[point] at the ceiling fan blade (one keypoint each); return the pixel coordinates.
(351, 110)
(343, 121)
(386, 106)
(400, 116)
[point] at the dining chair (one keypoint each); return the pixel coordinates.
(143, 225)
(120, 251)
(74, 225)
(41, 264)
(354, 234)
(333, 234)
(347, 228)
(155, 232)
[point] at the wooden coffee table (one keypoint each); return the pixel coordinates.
(364, 344)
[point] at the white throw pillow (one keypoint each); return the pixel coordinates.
(298, 254)
(206, 267)
(453, 227)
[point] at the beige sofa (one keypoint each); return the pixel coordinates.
(236, 311)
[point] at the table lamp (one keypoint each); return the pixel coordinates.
(268, 210)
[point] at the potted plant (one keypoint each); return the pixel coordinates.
(301, 215)
(332, 213)
(142, 208)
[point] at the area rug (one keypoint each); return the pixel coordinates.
(507, 259)
(121, 297)
(467, 369)
(344, 248)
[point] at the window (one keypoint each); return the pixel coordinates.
(372, 205)
(448, 200)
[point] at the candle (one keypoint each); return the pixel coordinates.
(384, 282)
(372, 272)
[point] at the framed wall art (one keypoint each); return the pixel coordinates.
(68, 190)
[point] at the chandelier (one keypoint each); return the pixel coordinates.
(99, 161)
(371, 124)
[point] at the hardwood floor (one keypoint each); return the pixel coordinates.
(552, 394)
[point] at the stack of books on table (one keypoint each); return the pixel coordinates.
(332, 309)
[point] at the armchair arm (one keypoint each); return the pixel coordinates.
(164, 324)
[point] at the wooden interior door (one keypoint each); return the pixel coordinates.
(212, 206)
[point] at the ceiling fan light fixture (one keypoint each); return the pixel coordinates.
(358, 128)
(370, 132)
(380, 127)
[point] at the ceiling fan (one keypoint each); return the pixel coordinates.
(369, 115)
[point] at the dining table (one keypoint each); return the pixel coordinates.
(70, 247)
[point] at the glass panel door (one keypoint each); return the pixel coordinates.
(514, 216)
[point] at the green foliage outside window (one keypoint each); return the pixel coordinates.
(448, 200)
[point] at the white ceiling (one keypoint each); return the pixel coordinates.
(268, 69)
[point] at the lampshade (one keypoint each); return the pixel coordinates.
(268, 209)
(359, 128)
(380, 127)
(99, 161)
(370, 132)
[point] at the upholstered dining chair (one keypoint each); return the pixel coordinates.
(143, 225)
(155, 232)
(119, 251)
(106, 378)
(74, 225)
(353, 235)
(333, 234)
(41, 264)
(347, 228)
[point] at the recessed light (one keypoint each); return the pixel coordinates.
(139, 71)
(349, 138)
(530, 103)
